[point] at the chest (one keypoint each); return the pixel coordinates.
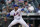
(17, 12)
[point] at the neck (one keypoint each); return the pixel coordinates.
(16, 9)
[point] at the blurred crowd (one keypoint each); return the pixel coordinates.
(27, 5)
(8, 5)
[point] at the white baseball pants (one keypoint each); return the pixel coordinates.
(15, 21)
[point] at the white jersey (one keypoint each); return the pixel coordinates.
(17, 14)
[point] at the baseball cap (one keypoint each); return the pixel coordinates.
(16, 6)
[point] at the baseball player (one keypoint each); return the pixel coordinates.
(17, 17)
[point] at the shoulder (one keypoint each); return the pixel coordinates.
(12, 11)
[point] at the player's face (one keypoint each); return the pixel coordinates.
(16, 8)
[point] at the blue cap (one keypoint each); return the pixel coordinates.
(15, 5)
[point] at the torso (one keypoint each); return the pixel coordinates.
(17, 14)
